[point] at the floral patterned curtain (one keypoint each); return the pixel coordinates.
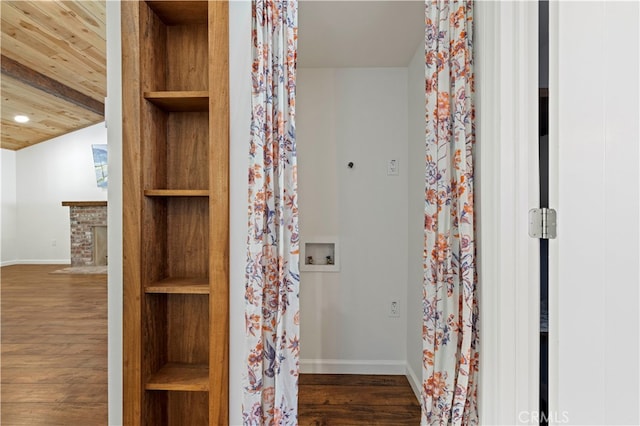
(272, 286)
(450, 321)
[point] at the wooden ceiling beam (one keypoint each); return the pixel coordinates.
(40, 81)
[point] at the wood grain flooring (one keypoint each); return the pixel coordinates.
(54, 347)
(346, 400)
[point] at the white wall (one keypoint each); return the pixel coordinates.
(415, 221)
(360, 116)
(594, 291)
(9, 220)
(48, 173)
(240, 110)
(113, 112)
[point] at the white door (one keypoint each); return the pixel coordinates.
(594, 185)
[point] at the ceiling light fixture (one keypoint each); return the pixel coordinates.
(21, 118)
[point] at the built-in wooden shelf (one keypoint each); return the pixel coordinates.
(180, 12)
(176, 212)
(176, 193)
(180, 377)
(182, 285)
(179, 101)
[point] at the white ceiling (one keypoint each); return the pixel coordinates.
(337, 34)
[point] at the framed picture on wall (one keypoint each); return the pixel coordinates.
(100, 164)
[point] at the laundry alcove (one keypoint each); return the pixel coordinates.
(360, 105)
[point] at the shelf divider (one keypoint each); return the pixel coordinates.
(176, 192)
(180, 377)
(179, 101)
(180, 285)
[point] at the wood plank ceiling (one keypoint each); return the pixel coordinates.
(53, 68)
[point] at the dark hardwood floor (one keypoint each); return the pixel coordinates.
(54, 347)
(346, 399)
(54, 361)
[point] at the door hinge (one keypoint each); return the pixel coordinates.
(542, 223)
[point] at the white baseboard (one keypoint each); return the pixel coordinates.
(414, 381)
(37, 262)
(341, 366)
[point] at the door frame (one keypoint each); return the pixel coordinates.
(506, 61)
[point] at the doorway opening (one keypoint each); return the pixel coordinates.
(360, 143)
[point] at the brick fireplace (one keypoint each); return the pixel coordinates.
(88, 232)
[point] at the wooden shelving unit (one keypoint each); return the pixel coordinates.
(176, 212)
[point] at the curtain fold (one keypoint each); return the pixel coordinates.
(450, 308)
(272, 276)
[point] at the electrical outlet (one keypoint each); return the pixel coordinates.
(393, 167)
(54, 243)
(394, 309)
